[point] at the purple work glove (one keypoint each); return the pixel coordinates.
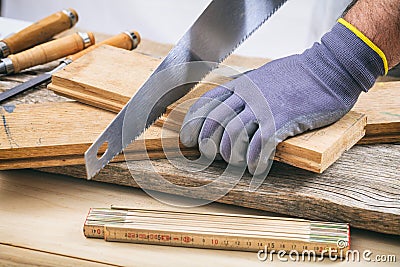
(303, 92)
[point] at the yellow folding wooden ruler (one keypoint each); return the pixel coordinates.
(217, 230)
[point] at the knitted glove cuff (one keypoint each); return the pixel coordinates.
(367, 41)
(344, 63)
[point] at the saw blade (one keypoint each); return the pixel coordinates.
(219, 30)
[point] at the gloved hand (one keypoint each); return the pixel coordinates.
(303, 92)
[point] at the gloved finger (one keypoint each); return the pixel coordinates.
(221, 92)
(213, 126)
(236, 138)
(197, 113)
(260, 152)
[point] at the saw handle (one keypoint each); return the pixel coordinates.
(51, 51)
(125, 40)
(41, 31)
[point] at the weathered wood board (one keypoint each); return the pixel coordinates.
(362, 187)
(56, 134)
(100, 80)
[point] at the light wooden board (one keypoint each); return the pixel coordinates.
(362, 188)
(11, 255)
(46, 212)
(100, 80)
(106, 85)
(382, 106)
(57, 134)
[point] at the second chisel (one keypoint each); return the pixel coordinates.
(47, 52)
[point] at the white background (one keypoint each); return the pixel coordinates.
(291, 30)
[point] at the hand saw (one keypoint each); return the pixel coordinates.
(219, 30)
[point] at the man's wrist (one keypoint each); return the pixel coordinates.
(367, 41)
(379, 21)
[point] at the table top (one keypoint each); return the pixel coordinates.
(42, 216)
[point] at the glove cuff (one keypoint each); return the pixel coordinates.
(367, 41)
(353, 55)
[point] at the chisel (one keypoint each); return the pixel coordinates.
(38, 32)
(47, 52)
(125, 40)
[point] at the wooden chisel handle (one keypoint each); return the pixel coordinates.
(125, 40)
(50, 51)
(38, 32)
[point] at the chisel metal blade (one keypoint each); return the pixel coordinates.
(46, 77)
(219, 30)
(32, 83)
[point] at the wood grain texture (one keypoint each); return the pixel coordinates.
(382, 106)
(59, 133)
(19, 256)
(98, 81)
(105, 85)
(361, 188)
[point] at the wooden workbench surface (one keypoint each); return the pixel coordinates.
(42, 215)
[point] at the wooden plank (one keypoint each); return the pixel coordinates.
(361, 188)
(105, 85)
(54, 134)
(96, 81)
(58, 134)
(382, 106)
(317, 150)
